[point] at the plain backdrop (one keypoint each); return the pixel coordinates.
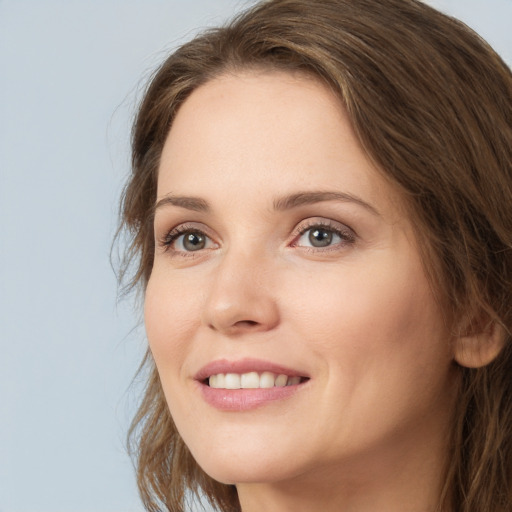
(70, 75)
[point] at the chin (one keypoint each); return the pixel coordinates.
(234, 474)
(229, 467)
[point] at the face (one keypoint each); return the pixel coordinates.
(288, 311)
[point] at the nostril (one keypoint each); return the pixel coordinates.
(247, 323)
(240, 326)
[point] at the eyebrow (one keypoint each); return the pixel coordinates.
(190, 203)
(280, 204)
(305, 198)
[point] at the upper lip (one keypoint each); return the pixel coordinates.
(245, 366)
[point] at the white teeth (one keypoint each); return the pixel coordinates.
(267, 380)
(281, 381)
(220, 381)
(251, 380)
(232, 381)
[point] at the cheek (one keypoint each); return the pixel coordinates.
(374, 323)
(367, 301)
(385, 353)
(170, 318)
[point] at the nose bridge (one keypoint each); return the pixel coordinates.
(241, 295)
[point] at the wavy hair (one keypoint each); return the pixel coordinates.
(431, 104)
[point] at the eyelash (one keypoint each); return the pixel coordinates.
(170, 238)
(346, 235)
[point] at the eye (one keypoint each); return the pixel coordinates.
(320, 236)
(187, 240)
(193, 241)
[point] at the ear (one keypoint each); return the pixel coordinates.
(480, 347)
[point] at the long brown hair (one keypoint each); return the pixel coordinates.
(431, 104)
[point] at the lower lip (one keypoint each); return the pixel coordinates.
(245, 399)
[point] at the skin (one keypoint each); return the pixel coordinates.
(369, 430)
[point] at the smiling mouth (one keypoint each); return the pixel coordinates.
(252, 380)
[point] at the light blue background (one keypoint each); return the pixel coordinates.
(70, 75)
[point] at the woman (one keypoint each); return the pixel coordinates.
(321, 212)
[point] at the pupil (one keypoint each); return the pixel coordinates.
(193, 241)
(320, 237)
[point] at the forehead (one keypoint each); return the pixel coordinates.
(271, 131)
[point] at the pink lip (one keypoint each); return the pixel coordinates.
(244, 399)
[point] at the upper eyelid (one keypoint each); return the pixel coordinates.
(182, 227)
(299, 228)
(312, 222)
(175, 232)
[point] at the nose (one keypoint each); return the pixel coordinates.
(241, 296)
